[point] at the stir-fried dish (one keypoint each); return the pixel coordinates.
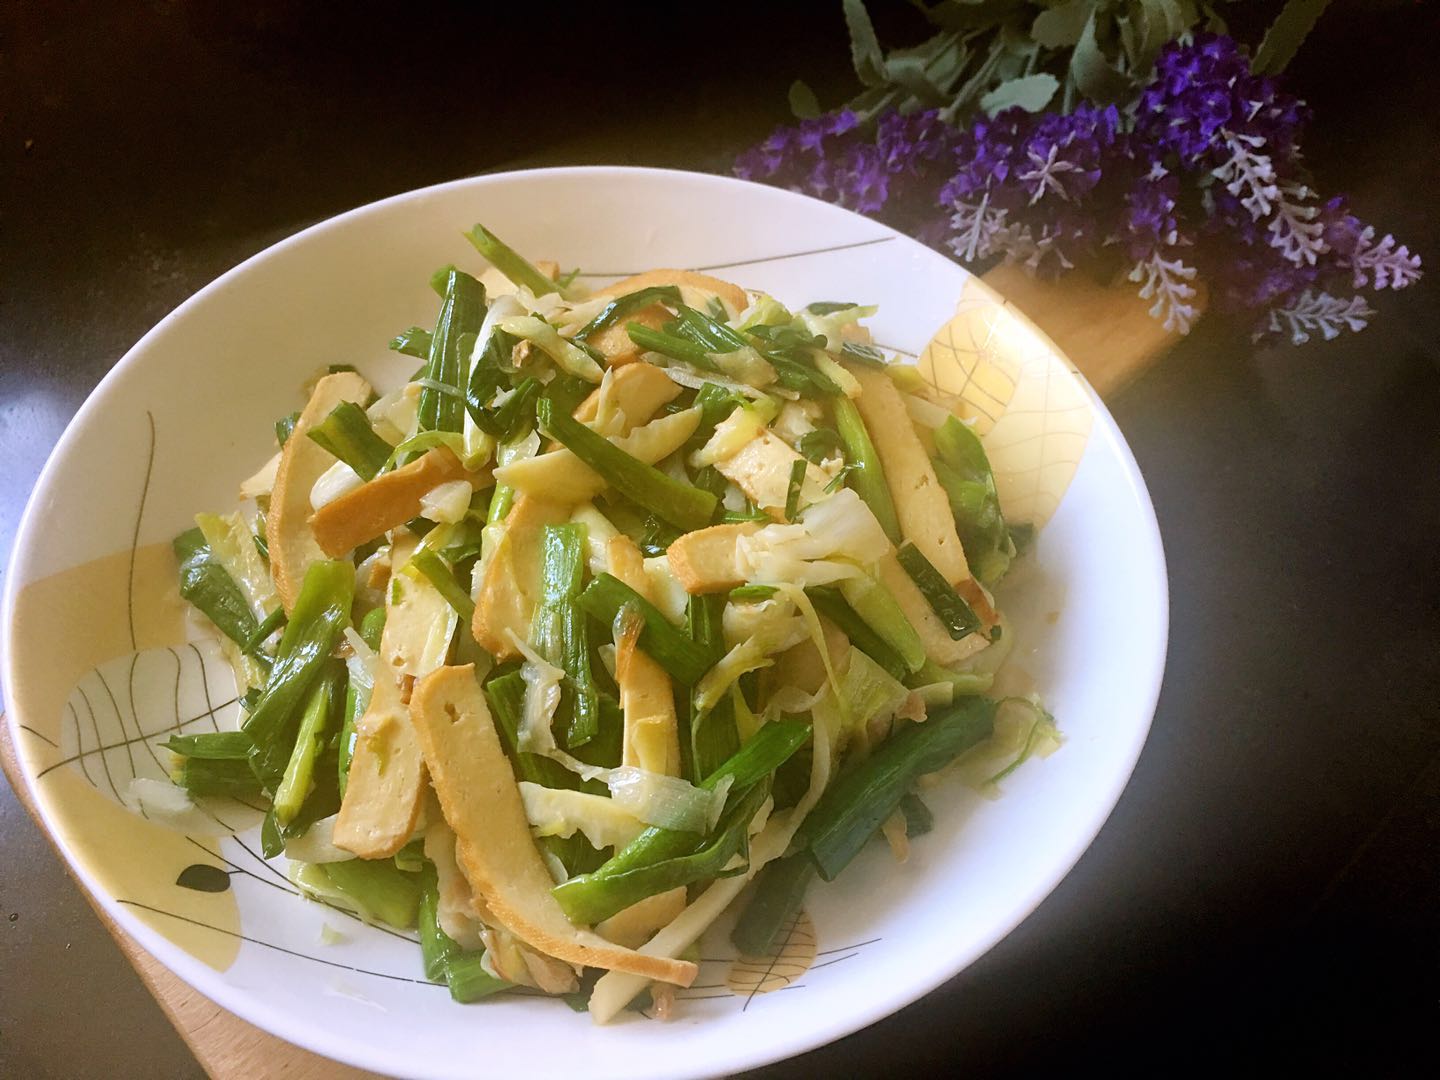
(623, 602)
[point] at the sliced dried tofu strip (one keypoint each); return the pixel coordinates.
(705, 560)
(293, 546)
(703, 284)
(387, 501)
(920, 501)
(761, 469)
(481, 801)
(386, 786)
(511, 585)
(652, 738)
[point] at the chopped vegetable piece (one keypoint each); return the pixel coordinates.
(379, 889)
(299, 773)
(469, 980)
(918, 818)
(859, 801)
(202, 776)
(714, 738)
(347, 434)
(509, 262)
(459, 320)
(413, 342)
(874, 601)
(211, 745)
(959, 619)
(779, 892)
(620, 882)
(868, 476)
(592, 898)
(686, 660)
(429, 563)
(792, 489)
(832, 604)
(621, 306)
(205, 583)
(319, 617)
(680, 504)
(559, 632)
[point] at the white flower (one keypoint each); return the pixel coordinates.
(1293, 230)
(978, 229)
(1045, 175)
(1321, 313)
(1391, 267)
(1167, 282)
(1248, 174)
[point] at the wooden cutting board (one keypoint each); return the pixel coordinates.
(1106, 331)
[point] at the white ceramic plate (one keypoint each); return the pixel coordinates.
(96, 670)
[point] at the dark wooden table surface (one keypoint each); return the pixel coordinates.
(1266, 890)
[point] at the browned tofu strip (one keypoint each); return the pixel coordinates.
(920, 501)
(388, 501)
(293, 546)
(704, 560)
(652, 739)
(479, 798)
(386, 786)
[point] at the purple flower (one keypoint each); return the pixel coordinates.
(1198, 179)
(1205, 88)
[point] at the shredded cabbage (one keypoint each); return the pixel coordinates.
(233, 545)
(764, 309)
(734, 433)
(567, 355)
(745, 365)
(866, 695)
(318, 844)
(832, 324)
(750, 655)
(666, 591)
(559, 812)
(598, 534)
(542, 698)
(841, 528)
(447, 502)
(683, 374)
(163, 802)
(667, 801)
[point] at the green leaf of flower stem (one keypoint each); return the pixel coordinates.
(1032, 93)
(1286, 34)
(803, 102)
(909, 72)
(1094, 75)
(865, 50)
(1061, 26)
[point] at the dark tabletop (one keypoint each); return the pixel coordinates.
(1267, 888)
